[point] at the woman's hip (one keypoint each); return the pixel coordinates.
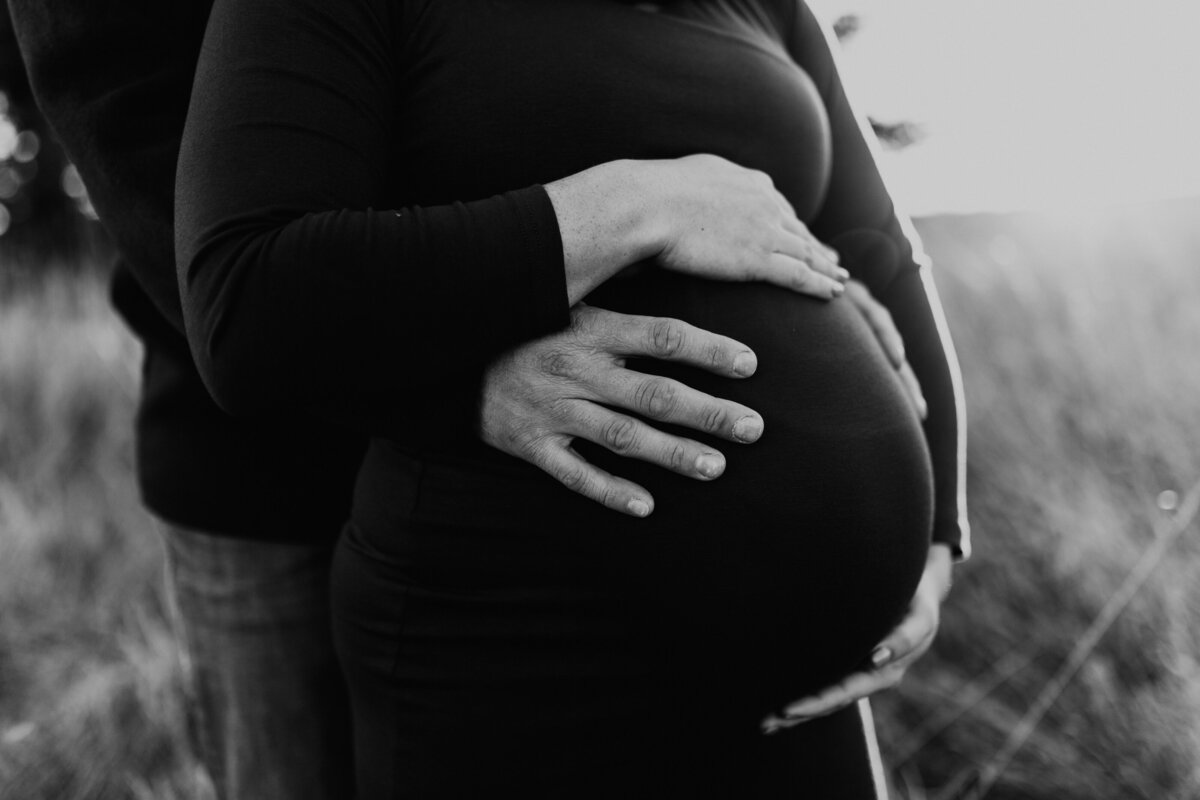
(467, 690)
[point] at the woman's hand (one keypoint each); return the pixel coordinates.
(726, 222)
(700, 215)
(884, 328)
(890, 658)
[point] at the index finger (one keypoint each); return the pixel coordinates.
(668, 339)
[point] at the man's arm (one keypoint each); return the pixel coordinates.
(98, 101)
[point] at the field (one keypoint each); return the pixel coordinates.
(1080, 343)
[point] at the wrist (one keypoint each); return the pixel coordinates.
(608, 220)
(652, 212)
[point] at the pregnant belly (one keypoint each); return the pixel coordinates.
(776, 578)
(809, 547)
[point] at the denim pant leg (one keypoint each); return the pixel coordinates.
(271, 714)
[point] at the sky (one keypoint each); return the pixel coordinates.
(1031, 104)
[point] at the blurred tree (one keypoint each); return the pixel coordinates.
(895, 135)
(845, 26)
(37, 214)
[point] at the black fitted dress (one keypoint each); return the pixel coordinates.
(352, 241)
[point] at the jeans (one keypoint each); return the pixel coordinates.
(270, 716)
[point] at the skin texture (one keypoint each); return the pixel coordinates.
(540, 396)
(699, 215)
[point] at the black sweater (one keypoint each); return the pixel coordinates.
(113, 78)
(304, 288)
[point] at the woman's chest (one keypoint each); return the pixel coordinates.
(493, 95)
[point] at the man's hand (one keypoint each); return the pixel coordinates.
(881, 323)
(540, 396)
(890, 658)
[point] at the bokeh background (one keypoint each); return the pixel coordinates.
(1046, 149)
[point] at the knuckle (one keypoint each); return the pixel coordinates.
(523, 440)
(677, 456)
(562, 411)
(803, 279)
(714, 419)
(656, 397)
(579, 316)
(666, 338)
(557, 363)
(715, 355)
(620, 434)
(574, 478)
(612, 497)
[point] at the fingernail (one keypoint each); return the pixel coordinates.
(745, 363)
(842, 274)
(880, 656)
(710, 465)
(833, 254)
(837, 290)
(639, 508)
(923, 408)
(747, 429)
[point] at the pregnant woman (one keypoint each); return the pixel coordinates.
(377, 198)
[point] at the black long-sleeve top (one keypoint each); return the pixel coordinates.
(113, 78)
(361, 224)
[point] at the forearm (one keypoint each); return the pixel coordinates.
(304, 283)
(369, 317)
(256, 288)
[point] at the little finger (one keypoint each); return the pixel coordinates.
(913, 387)
(795, 274)
(561, 461)
(668, 339)
(798, 228)
(880, 321)
(802, 246)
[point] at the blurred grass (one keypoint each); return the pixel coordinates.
(90, 703)
(1078, 338)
